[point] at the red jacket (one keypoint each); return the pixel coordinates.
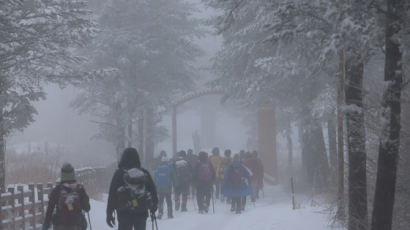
(256, 167)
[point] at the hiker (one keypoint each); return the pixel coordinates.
(158, 160)
(181, 181)
(216, 163)
(163, 181)
(204, 178)
(192, 160)
(132, 194)
(256, 167)
(69, 200)
(225, 162)
(235, 184)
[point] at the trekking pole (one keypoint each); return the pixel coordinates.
(213, 203)
(89, 220)
(293, 193)
(154, 221)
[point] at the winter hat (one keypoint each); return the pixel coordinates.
(67, 173)
(215, 151)
(182, 153)
(227, 153)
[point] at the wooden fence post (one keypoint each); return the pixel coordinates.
(40, 194)
(13, 208)
(32, 200)
(22, 206)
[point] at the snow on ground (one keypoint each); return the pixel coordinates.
(274, 212)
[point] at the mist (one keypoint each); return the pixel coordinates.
(204, 114)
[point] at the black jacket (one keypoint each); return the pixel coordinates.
(128, 161)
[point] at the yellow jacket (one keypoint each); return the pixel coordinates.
(216, 163)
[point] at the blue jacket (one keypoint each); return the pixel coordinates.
(236, 191)
(163, 178)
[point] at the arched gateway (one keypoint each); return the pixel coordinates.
(266, 131)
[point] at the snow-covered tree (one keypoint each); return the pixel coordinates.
(37, 41)
(143, 56)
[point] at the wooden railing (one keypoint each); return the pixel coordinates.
(24, 207)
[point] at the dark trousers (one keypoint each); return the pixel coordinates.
(167, 197)
(243, 202)
(236, 204)
(218, 186)
(182, 190)
(127, 222)
(203, 196)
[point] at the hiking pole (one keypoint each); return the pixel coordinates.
(154, 221)
(89, 220)
(213, 203)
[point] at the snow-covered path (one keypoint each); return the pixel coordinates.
(271, 213)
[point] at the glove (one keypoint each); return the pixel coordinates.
(110, 220)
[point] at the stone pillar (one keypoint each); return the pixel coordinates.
(267, 141)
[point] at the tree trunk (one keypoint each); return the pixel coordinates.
(2, 158)
(356, 145)
(149, 138)
(141, 137)
(340, 140)
(331, 133)
(290, 149)
(390, 137)
(314, 155)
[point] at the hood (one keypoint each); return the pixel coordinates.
(130, 159)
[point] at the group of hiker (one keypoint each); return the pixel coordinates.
(134, 195)
(226, 178)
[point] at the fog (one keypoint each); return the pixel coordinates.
(300, 107)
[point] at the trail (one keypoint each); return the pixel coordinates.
(274, 212)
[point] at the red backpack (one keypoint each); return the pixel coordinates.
(69, 205)
(205, 173)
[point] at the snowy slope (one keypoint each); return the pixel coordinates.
(271, 213)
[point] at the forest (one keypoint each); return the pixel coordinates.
(336, 72)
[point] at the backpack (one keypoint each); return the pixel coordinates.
(163, 177)
(132, 196)
(69, 206)
(205, 173)
(182, 170)
(236, 176)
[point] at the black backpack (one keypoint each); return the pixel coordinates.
(183, 171)
(133, 196)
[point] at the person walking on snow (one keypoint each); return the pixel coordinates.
(235, 184)
(132, 194)
(69, 200)
(225, 162)
(216, 163)
(193, 161)
(204, 177)
(256, 167)
(181, 180)
(163, 181)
